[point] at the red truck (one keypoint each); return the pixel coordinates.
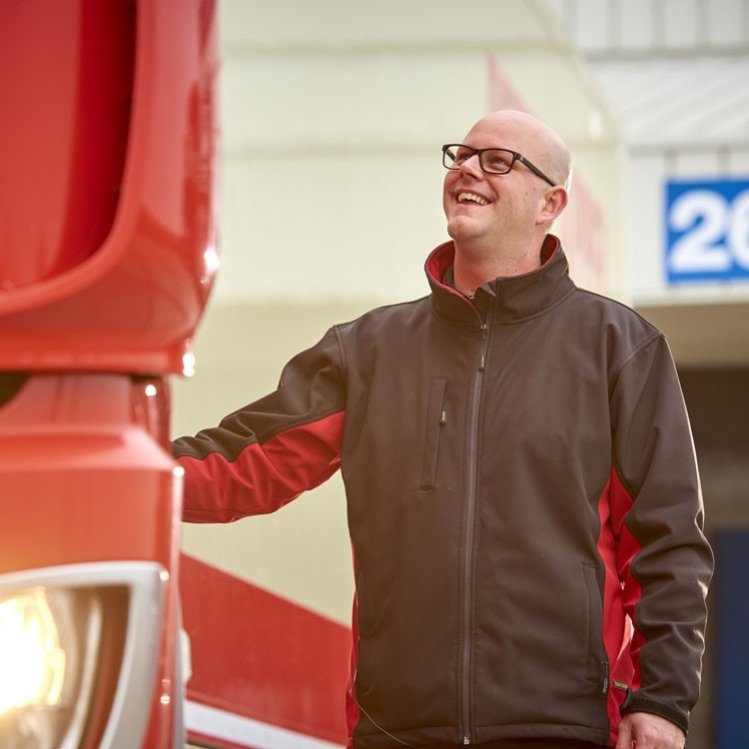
(108, 144)
(108, 172)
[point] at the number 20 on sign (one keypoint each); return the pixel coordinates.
(707, 231)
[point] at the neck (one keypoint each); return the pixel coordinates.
(473, 269)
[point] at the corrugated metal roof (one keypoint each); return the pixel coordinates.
(672, 103)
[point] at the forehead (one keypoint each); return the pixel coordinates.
(500, 133)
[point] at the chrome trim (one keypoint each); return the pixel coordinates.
(76, 728)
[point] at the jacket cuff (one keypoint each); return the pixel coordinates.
(635, 704)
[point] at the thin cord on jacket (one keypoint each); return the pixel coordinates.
(352, 693)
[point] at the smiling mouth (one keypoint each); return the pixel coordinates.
(471, 197)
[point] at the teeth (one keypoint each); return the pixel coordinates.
(464, 197)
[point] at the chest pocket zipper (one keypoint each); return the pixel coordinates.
(435, 424)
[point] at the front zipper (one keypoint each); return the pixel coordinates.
(469, 532)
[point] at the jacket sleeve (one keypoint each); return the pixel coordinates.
(268, 452)
(664, 560)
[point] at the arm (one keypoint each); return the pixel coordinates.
(268, 452)
(663, 560)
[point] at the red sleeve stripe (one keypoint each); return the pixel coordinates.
(264, 477)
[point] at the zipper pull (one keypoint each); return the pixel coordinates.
(484, 330)
(605, 665)
(482, 363)
(443, 418)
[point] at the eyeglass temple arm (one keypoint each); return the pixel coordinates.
(534, 169)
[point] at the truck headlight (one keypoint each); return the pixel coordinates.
(70, 675)
(48, 644)
(32, 659)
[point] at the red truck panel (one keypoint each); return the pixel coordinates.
(108, 146)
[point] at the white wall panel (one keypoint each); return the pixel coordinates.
(681, 23)
(332, 228)
(591, 30)
(559, 7)
(599, 26)
(645, 225)
(347, 98)
(299, 24)
(702, 164)
(738, 162)
(637, 29)
(725, 22)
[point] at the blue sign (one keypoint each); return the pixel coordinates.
(707, 230)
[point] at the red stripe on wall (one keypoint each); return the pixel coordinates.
(261, 656)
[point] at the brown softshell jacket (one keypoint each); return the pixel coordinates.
(523, 502)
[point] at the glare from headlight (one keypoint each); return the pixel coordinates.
(32, 661)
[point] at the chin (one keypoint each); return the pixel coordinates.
(462, 228)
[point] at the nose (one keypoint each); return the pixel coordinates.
(472, 166)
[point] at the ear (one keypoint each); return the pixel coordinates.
(553, 203)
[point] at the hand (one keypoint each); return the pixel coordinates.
(648, 731)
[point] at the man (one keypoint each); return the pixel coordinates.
(523, 498)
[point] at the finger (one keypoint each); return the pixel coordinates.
(625, 736)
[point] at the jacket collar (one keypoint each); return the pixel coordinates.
(513, 298)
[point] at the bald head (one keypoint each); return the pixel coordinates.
(529, 136)
(499, 220)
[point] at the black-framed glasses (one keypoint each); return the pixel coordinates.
(491, 160)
